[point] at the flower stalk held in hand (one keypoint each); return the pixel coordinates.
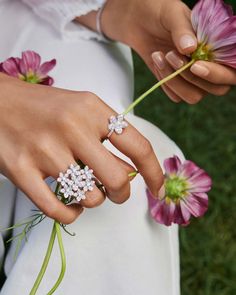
(214, 45)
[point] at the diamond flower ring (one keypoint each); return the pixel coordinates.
(116, 124)
(75, 182)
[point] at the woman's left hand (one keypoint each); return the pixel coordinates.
(162, 34)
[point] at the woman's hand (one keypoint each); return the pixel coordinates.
(43, 130)
(160, 31)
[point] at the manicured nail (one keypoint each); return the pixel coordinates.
(158, 60)
(200, 70)
(187, 41)
(174, 60)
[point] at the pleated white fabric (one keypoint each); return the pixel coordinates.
(118, 249)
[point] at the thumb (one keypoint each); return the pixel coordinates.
(178, 23)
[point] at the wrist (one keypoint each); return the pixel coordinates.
(114, 20)
(88, 20)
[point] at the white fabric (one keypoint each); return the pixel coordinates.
(118, 249)
(61, 13)
(7, 201)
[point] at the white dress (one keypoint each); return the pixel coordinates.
(118, 249)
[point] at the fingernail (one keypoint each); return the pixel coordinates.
(200, 70)
(174, 60)
(187, 41)
(158, 60)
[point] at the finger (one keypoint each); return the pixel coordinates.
(177, 61)
(186, 91)
(30, 181)
(175, 98)
(97, 196)
(94, 198)
(135, 146)
(52, 165)
(214, 73)
(127, 167)
(180, 28)
(106, 168)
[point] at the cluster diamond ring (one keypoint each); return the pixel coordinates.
(75, 182)
(116, 124)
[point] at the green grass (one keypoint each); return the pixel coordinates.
(206, 133)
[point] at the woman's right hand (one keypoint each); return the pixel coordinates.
(43, 130)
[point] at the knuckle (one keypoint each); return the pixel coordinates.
(69, 220)
(51, 211)
(91, 99)
(145, 149)
(93, 202)
(122, 199)
(118, 182)
(45, 146)
(18, 167)
(67, 121)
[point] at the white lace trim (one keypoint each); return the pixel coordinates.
(61, 13)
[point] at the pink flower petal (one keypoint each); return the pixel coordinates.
(161, 212)
(183, 214)
(151, 201)
(225, 34)
(10, 67)
(47, 81)
(200, 180)
(195, 205)
(208, 14)
(187, 169)
(46, 67)
(172, 165)
(168, 213)
(30, 61)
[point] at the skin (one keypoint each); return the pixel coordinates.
(45, 129)
(156, 31)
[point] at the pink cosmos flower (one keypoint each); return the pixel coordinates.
(215, 26)
(29, 68)
(186, 186)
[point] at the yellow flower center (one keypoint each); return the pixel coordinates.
(203, 52)
(175, 188)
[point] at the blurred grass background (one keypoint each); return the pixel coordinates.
(206, 133)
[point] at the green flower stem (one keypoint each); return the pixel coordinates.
(133, 174)
(45, 261)
(48, 253)
(157, 85)
(63, 259)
